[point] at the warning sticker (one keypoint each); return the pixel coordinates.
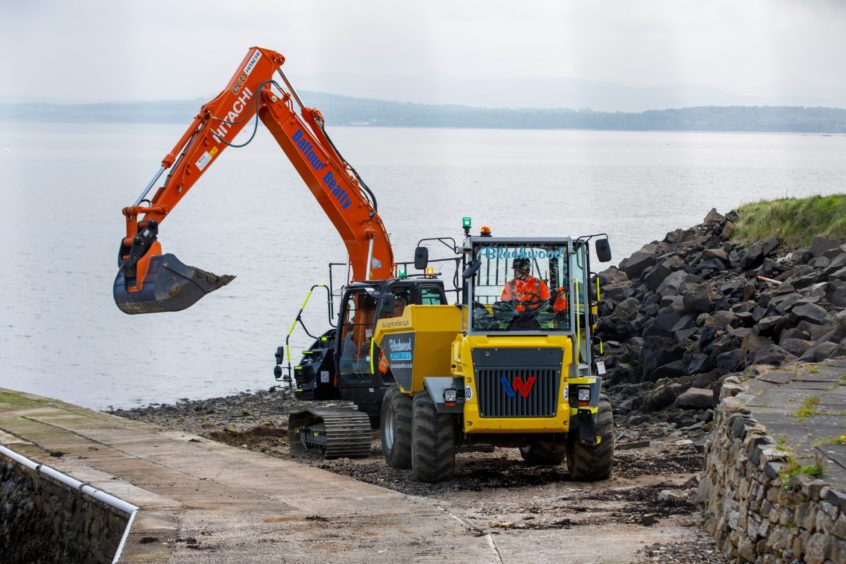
(204, 160)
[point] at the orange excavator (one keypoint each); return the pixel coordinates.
(149, 281)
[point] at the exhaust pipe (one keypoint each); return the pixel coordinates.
(168, 285)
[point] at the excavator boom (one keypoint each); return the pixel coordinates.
(149, 281)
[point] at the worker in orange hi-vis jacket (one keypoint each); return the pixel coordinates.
(528, 291)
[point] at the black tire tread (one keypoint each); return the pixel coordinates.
(592, 463)
(544, 453)
(432, 441)
(400, 403)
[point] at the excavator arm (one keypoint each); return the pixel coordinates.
(149, 281)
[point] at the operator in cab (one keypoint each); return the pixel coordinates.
(528, 291)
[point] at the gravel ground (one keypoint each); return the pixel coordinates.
(653, 486)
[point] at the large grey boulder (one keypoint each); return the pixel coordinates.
(636, 264)
(758, 251)
(713, 216)
(695, 398)
(700, 299)
(812, 313)
(819, 351)
(821, 245)
(796, 347)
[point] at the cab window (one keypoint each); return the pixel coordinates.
(402, 297)
(431, 295)
(356, 332)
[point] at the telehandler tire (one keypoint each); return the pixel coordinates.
(543, 453)
(396, 428)
(432, 441)
(591, 463)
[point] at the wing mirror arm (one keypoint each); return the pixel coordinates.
(471, 269)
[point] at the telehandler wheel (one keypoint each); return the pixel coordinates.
(591, 463)
(432, 441)
(396, 428)
(544, 453)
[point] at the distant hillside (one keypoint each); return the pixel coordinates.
(343, 110)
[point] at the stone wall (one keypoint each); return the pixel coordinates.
(750, 512)
(42, 520)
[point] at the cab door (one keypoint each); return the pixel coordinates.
(355, 331)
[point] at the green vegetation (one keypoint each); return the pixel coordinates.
(830, 441)
(795, 470)
(16, 400)
(793, 467)
(795, 221)
(808, 408)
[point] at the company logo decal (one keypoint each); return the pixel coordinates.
(517, 386)
(400, 349)
(332, 185)
(231, 118)
(503, 253)
(242, 78)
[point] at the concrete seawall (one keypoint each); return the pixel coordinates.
(761, 503)
(42, 519)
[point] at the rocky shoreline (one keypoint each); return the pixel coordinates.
(681, 314)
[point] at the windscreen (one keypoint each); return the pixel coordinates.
(521, 287)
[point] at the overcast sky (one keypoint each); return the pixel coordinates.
(104, 50)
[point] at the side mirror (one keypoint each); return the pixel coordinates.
(603, 250)
(421, 258)
(388, 301)
(471, 269)
(280, 355)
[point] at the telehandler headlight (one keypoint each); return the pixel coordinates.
(584, 394)
(450, 395)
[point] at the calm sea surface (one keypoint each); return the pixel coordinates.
(63, 187)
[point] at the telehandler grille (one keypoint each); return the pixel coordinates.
(522, 392)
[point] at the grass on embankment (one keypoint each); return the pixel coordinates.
(795, 221)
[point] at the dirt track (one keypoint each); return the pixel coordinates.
(649, 501)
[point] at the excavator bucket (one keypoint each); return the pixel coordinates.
(169, 285)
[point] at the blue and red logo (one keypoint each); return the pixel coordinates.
(517, 386)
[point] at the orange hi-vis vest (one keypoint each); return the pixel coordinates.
(560, 304)
(383, 363)
(534, 292)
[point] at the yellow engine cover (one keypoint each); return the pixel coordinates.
(417, 344)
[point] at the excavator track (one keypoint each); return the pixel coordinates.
(336, 432)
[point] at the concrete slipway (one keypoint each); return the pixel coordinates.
(200, 500)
